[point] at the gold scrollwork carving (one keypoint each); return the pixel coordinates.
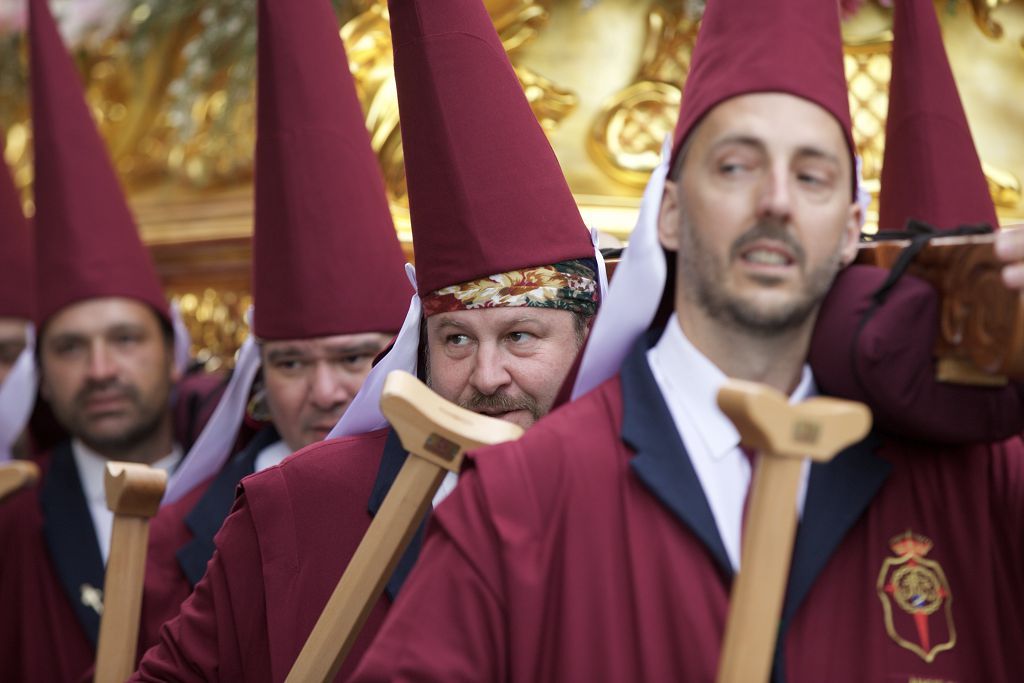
(216, 322)
(625, 138)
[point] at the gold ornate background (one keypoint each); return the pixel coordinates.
(172, 91)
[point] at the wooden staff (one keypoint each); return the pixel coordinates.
(133, 495)
(16, 475)
(437, 435)
(784, 435)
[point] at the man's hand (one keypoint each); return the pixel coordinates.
(1010, 249)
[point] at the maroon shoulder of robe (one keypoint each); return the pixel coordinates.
(181, 538)
(279, 555)
(587, 551)
(41, 635)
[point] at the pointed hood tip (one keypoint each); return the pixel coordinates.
(319, 190)
(926, 118)
(79, 199)
(453, 75)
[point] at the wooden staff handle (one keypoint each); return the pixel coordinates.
(437, 434)
(16, 475)
(133, 495)
(784, 434)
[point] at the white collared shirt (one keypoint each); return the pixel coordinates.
(689, 383)
(271, 455)
(91, 468)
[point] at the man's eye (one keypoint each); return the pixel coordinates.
(127, 339)
(9, 353)
(67, 348)
(735, 167)
(520, 337)
(357, 360)
(457, 339)
(288, 364)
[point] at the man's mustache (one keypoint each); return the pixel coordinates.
(768, 230)
(500, 403)
(106, 390)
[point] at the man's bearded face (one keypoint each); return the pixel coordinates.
(107, 372)
(506, 362)
(762, 217)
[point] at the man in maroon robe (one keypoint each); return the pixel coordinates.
(506, 288)
(108, 369)
(320, 208)
(601, 546)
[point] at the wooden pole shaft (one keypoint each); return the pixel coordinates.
(786, 436)
(119, 632)
(133, 494)
(363, 581)
(757, 594)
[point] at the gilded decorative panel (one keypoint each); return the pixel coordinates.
(171, 84)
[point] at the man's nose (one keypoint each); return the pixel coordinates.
(329, 388)
(101, 364)
(490, 370)
(776, 196)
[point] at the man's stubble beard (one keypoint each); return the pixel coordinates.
(703, 273)
(149, 421)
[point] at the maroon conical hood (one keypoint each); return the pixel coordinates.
(87, 245)
(17, 286)
(486, 193)
(326, 259)
(931, 170)
(789, 46)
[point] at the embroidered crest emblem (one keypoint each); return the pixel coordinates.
(917, 603)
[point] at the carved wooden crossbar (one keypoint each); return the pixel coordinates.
(981, 324)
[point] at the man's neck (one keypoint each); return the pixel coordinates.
(775, 360)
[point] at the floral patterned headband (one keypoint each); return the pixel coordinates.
(568, 286)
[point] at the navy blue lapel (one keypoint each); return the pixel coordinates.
(838, 493)
(205, 519)
(661, 461)
(391, 462)
(70, 537)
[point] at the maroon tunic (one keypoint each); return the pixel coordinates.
(279, 556)
(586, 551)
(47, 633)
(181, 539)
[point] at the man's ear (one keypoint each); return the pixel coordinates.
(668, 216)
(851, 233)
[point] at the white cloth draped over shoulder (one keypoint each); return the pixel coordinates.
(18, 396)
(213, 447)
